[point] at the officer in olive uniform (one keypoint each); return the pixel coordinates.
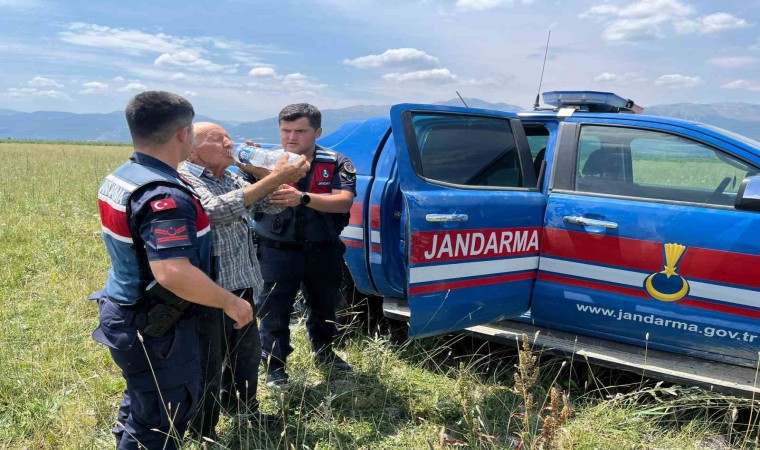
(155, 230)
(301, 247)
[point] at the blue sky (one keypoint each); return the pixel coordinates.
(244, 60)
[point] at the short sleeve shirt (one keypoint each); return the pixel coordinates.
(345, 176)
(164, 217)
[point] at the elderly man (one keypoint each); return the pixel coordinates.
(230, 357)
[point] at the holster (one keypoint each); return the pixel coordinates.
(164, 309)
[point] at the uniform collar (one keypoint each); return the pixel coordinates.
(149, 161)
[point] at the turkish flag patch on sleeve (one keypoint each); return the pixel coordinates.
(170, 233)
(163, 205)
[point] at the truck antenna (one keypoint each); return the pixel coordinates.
(460, 98)
(541, 80)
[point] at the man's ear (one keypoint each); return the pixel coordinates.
(185, 135)
(319, 132)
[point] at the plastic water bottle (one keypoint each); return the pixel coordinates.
(265, 158)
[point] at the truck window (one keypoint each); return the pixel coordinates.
(466, 150)
(538, 138)
(656, 165)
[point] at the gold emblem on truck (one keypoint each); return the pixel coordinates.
(667, 285)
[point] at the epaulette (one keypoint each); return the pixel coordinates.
(324, 155)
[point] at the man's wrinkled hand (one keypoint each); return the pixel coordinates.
(290, 173)
(240, 311)
(257, 172)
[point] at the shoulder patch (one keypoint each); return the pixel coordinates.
(348, 172)
(163, 205)
(170, 233)
(349, 167)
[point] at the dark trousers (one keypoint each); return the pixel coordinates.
(162, 376)
(320, 271)
(229, 366)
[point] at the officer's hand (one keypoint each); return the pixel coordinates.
(240, 311)
(286, 196)
(290, 173)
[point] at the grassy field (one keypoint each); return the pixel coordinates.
(59, 389)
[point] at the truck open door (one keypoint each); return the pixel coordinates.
(471, 215)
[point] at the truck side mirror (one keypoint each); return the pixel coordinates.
(748, 197)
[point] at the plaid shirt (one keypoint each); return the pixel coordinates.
(222, 198)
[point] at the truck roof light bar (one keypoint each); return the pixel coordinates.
(591, 101)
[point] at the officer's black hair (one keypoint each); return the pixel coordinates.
(298, 110)
(154, 116)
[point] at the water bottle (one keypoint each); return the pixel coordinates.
(265, 158)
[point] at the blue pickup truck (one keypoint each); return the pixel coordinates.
(627, 239)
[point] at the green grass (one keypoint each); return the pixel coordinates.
(77, 143)
(59, 389)
(705, 174)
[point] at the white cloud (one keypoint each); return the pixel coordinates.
(242, 52)
(192, 61)
(18, 93)
(730, 62)
(93, 87)
(195, 79)
(395, 57)
(300, 83)
(119, 79)
(678, 81)
(648, 19)
(191, 94)
(607, 76)
(43, 82)
(482, 5)
(263, 72)
(130, 41)
(436, 76)
(743, 84)
(133, 87)
(296, 84)
(179, 76)
(711, 24)
(619, 78)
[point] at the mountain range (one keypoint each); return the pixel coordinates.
(742, 118)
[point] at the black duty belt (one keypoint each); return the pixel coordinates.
(295, 246)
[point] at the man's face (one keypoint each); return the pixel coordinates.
(298, 136)
(213, 148)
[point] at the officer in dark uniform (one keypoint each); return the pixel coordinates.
(155, 230)
(301, 246)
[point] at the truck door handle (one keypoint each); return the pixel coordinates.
(586, 222)
(446, 217)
